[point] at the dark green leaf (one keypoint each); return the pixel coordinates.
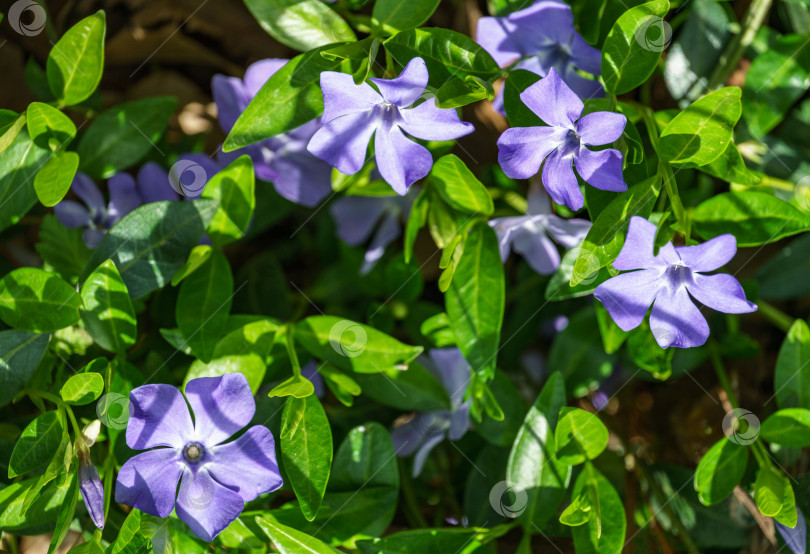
(34, 300)
(791, 379)
(784, 276)
(290, 541)
(398, 15)
(719, 471)
(43, 510)
(20, 353)
(65, 516)
(788, 427)
(37, 444)
(18, 164)
(108, 313)
(413, 389)
(300, 24)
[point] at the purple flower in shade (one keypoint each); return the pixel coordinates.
(795, 537)
(353, 113)
(521, 150)
(90, 486)
(215, 479)
(358, 217)
(666, 281)
(283, 159)
(427, 429)
(529, 234)
(542, 37)
(310, 371)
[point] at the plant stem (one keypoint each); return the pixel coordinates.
(775, 316)
(734, 50)
(671, 186)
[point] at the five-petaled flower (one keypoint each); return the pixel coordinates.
(353, 113)
(521, 150)
(539, 38)
(215, 479)
(529, 234)
(666, 282)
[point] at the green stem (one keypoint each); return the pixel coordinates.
(734, 50)
(671, 186)
(775, 316)
(59, 402)
(290, 343)
(775, 182)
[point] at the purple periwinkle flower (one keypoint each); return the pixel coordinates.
(215, 479)
(427, 429)
(529, 234)
(353, 113)
(311, 373)
(795, 537)
(380, 217)
(283, 159)
(539, 38)
(90, 485)
(563, 144)
(668, 282)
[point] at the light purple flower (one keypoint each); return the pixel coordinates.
(529, 234)
(359, 217)
(353, 113)
(90, 486)
(666, 281)
(215, 479)
(542, 37)
(427, 429)
(311, 373)
(283, 159)
(563, 144)
(795, 537)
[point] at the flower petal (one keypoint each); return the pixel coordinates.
(536, 248)
(230, 98)
(676, 321)
(153, 184)
(222, 406)
(628, 296)
(92, 237)
(148, 481)
(795, 537)
(343, 142)
(87, 190)
(387, 232)
(206, 506)
(552, 100)
(712, 254)
(302, 178)
(248, 464)
(310, 371)
(601, 169)
(400, 160)
(429, 122)
(424, 451)
(407, 87)
(567, 232)
(158, 416)
(71, 214)
(581, 86)
(637, 251)
(356, 216)
(521, 150)
(92, 492)
(600, 128)
(123, 196)
(459, 422)
(721, 292)
(584, 56)
(259, 72)
(537, 200)
(504, 228)
(342, 97)
(408, 436)
(560, 181)
(496, 35)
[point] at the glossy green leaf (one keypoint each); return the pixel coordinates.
(11, 123)
(49, 127)
(365, 457)
(517, 112)
(719, 471)
(76, 61)
(578, 512)
(606, 529)
(38, 443)
(788, 515)
(20, 353)
(414, 389)
(234, 189)
(42, 511)
(152, 242)
(204, 303)
(753, 217)
(120, 136)
(784, 276)
(199, 255)
(34, 300)
(108, 313)
(82, 388)
(417, 219)
(18, 164)
(53, 180)
(791, 380)
(130, 539)
(475, 300)
(300, 24)
(788, 427)
(62, 249)
(770, 490)
(459, 187)
(398, 15)
(66, 512)
(456, 93)
(633, 46)
(290, 541)
(297, 386)
(579, 436)
(306, 451)
(426, 541)
(702, 132)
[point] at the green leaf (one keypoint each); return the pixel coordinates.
(427, 541)
(606, 529)
(297, 386)
(150, 243)
(415, 389)
(577, 353)
(108, 313)
(398, 15)
(306, 451)
(300, 24)
(753, 217)
(290, 541)
(446, 53)
(702, 132)
(578, 512)
(606, 237)
(34, 300)
(234, 189)
(62, 249)
(82, 388)
(784, 276)
(199, 255)
(42, 511)
(204, 303)
(65, 516)
(633, 46)
(456, 93)
(49, 128)
(130, 540)
(352, 346)
(366, 457)
(53, 180)
(770, 490)
(37, 444)
(579, 436)
(532, 469)
(457, 185)
(76, 61)
(59, 464)
(788, 427)
(20, 353)
(417, 218)
(719, 471)
(791, 379)
(122, 135)
(475, 300)
(517, 112)
(18, 164)
(11, 124)
(788, 515)
(290, 97)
